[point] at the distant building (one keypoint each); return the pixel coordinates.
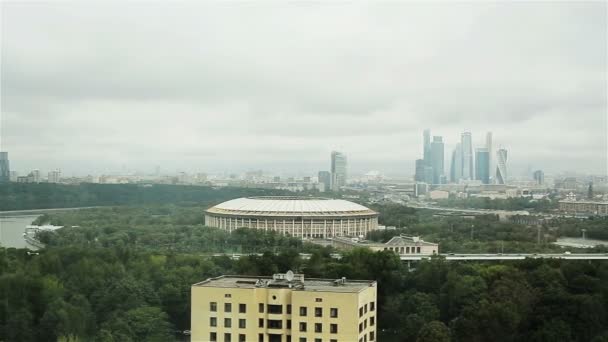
(482, 165)
(54, 176)
(420, 189)
(501, 166)
(35, 176)
(402, 245)
(574, 207)
(14, 176)
(325, 179)
(437, 158)
(5, 170)
(439, 194)
(338, 170)
(489, 147)
(539, 177)
(424, 173)
(456, 164)
(284, 307)
(466, 143)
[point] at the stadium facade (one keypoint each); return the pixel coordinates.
(304, 217)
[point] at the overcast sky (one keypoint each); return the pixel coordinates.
(237, 86)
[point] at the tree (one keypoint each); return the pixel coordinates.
(434, 331)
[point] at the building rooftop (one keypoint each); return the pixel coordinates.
(280, 281)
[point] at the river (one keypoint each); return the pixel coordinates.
(12, 228)
(13, 223)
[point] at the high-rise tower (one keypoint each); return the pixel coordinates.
(437, 158)
(466, 144)
(426, 147)
(482, 165)
(456, 164)
(5, 170)
(501, 166)
(338, 170)
(489, 147)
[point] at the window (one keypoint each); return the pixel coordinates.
(417, 249)
(275, 309)
(372, 306)
(360, 327)
(333, 340)
(333, 328)
(302, 339)
(288, 324)
(364, 338)
(227, 323)
(242, 323)
(365, 308)
(242, 338)
(333, 312)
(275, 324)
(365, 324)
(213, 306)
(372, 321)
(260, 322)
(213, 337)
(371, 336)
(288, 338)
(227, 337)
(318, 300)
(302, 326)
(318, 340)
(227, 295)
(289, 309)
(261, 308)
(227, 307)
(360, 312)
(318, 327)
(260, 337)
(302, 311)
(242, 308)
(318, 312)
(213, 321)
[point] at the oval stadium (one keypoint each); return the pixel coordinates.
(305, 217)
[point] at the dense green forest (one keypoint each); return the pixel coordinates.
(21, 196)
(124, 274)
(515, 203)
(120, 294)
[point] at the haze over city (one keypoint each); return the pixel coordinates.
(230, 87)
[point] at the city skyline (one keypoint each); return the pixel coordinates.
(210, 101)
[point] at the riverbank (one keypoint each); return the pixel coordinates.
(40, 211)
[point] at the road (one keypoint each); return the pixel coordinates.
(464, 257)
(469, 257)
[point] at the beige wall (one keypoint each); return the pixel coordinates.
(348, 319)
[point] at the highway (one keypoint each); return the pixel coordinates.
(465, 257)
(468, 257)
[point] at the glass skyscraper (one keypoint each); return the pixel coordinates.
(437, 158)
(456, 164)
(501, 166)
(338, 170)
(482, 165)
(5, 170)
(466, 144)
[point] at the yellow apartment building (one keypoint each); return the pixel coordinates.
(283, 308)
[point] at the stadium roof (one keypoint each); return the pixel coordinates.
(289, 205)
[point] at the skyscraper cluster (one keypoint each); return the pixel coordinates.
(466, 163)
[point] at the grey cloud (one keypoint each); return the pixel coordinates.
(238, 84)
